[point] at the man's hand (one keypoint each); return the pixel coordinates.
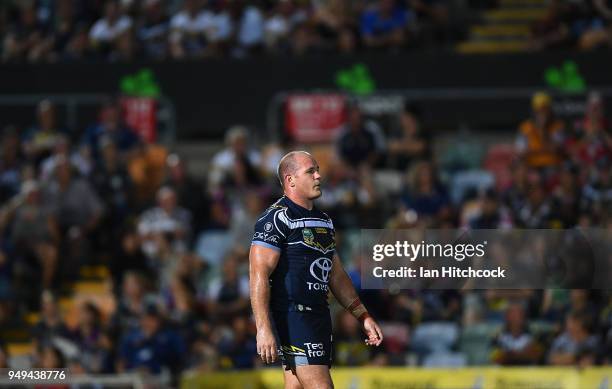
(266, 346)
(373, 331)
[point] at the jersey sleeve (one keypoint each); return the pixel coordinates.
(271, 230)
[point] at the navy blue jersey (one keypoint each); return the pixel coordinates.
(305, 240)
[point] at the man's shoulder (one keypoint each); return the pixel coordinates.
(277, 207)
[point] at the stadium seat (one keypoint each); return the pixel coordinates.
(445, 359)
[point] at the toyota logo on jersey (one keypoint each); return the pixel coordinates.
(320, 269)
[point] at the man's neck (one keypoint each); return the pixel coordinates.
(304, 203)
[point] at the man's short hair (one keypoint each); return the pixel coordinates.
(288, 165)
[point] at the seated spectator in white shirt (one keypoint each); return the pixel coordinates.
(235, 151)
(106, 31)
(189, 30)
(166, 226)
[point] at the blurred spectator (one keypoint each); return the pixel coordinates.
(425, 195)
(35, 235)
(69, 33)
(77, 209)
(238, 350)
(10, 164)
(359, 142)
(107, 31)
(89, 338)
(567, 198)
(248, 27)
(575, 346)
(385, 25)
(537, 210)
(492, 214)
(127, 256)
(413, 142)
(41, 139)
(244, 215)
(167, 224)
(80, 160)
(183, 308)
(153, 29)
(236, 164)
(598, 190)
(515, 345)
(133, 299)
(336, 25)
(112, 126)
(191, 192)
(51, 324)
(147, 165)
(27, 37)
(152, 345)
(283, 19)
(189, 29)
(597, 33)
(228, 295)
(51, 357)
(112, 181)
(540, 138)
(592, 139)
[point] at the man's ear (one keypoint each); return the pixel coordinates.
(290, 179)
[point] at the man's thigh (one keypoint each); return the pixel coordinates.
(314, 376)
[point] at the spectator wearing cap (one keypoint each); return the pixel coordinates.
(384, 25)
(540, 138)
(152, 346)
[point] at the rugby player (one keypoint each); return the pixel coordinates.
(293, 265)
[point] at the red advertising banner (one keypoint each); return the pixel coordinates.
(314, 117)
(140, 113)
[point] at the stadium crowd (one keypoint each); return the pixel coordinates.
(112, 30)
(177, 245)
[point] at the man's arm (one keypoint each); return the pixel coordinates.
(344, 291)
(262, 262)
